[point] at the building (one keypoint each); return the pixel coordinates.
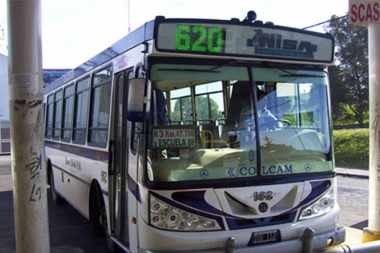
(4, 101)
(5, 136)
(49, 75)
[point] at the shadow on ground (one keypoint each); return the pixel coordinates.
(67, 227)
(360, 225)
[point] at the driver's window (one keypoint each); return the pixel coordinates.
(287, 102)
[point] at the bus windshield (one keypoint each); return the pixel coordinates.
(221, 121)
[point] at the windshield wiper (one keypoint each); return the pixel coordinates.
(301, 75)
(288, 73)
(223, 64)
(211, 70)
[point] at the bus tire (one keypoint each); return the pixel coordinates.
(57, 199)
(98, 216)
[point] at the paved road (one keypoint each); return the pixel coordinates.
(353, 201)
(65, 224)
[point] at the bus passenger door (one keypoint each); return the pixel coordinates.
(120, 160)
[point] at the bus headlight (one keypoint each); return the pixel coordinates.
(322, 206)
(165, 216)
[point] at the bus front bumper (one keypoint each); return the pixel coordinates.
(307, 244)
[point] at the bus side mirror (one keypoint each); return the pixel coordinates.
(137, 102)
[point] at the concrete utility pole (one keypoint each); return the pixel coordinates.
(373, 231)
(27, 137)
(366, 13)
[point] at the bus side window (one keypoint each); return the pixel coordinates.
(57, 115)
(68, 111)
(100, 106)
(49, 116)
(82, 102)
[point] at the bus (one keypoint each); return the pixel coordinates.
(158, 140)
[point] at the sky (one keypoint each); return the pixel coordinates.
(73, 31)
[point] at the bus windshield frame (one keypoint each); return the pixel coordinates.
(216, 146)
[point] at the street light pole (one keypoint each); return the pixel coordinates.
(26, 118)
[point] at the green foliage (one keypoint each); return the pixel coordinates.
(349, 77)
(339, 99)
(351, 148)
(306, 118)
(347, 117)
(204, 107)
(182, 109)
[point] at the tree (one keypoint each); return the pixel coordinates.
(351, 67)
(339, 98)
(204, 106)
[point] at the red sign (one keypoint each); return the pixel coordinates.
(364, 12)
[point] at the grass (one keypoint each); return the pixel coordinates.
(351, 148)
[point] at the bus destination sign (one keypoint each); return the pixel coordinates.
(174, 137)
(245, 41)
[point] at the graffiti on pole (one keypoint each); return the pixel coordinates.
(35, 168)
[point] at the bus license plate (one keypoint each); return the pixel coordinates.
(265, 237)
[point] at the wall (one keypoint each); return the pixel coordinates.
(4, 101)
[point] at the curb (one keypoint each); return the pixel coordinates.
(346, 174)
(350, 172)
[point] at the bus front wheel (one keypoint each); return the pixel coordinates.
(98, 216)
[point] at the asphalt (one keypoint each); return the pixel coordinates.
(353, 236)
(62, 249)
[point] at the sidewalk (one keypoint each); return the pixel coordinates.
(6, 185)
(362, 173)
(353, 236)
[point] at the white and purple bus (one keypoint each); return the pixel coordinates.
(160, 140)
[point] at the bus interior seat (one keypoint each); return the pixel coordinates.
(209, 133)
